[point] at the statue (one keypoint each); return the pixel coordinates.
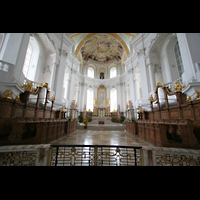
(163, 84)
(8, 94)
(45, 84)
(17, 98)
(130, 102)
(63, 109)
(28, 86)
(151, 98)
(197, 94)
(95, 101)
(108, 101)
(158, 84)
(140, 109)
(178, 86)
(73, 102)
(189, 98)
(53, 97)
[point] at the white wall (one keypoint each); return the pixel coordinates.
(135, 72)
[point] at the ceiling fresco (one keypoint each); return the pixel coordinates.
(102, 47)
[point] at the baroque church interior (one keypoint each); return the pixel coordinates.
(63, 95)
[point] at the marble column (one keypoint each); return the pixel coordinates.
(151, 75)
(144, 78)
(60, 72)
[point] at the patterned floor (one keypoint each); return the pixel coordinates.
(92, 137)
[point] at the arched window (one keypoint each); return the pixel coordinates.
(2, 36)
(89, 99)
(91, 72)
(27, 59)
(113, 72)
(31, 59)
(178, 59)
(113, 99)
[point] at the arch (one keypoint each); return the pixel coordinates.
(112, 65)
(116, 36)
(103, 69)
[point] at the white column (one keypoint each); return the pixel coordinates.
(72, 86)
(60, 72)
(151, 75)
(131, 86)
(144, 78)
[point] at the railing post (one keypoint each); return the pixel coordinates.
(142, 158)
(50, 153)
(95, 156)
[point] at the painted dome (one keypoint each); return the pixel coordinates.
(102, 47)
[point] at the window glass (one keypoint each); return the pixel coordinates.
(90, 72)
(89, 99)
(113, 99)
(113, 72)
(27, 60)
(178, 59)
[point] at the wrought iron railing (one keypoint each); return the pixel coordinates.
(95, 155)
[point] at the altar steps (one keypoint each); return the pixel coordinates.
(107, 126)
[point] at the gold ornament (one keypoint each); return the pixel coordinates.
(151, 98)
(53, 97)
(8, 94)
(28, 86)
(178, 86)
(17, 98)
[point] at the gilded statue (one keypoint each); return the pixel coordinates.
(28, 86)
(140, 109)
(73, 102)
(178, 86)
(151, 98)
(95, 101)
(53, 97)
(17, 98)
(130, 102)
(163, 84)
(158, 84)
(63, 109)
(189, 98)
(45, 84)
(8, 94)
(108, 101)
(197, 94)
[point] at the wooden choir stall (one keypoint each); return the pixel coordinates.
(29, 118)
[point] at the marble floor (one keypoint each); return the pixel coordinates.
(93, 137)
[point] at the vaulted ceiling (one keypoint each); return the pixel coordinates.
(101, 46)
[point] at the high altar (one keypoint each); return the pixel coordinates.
(101, 104)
